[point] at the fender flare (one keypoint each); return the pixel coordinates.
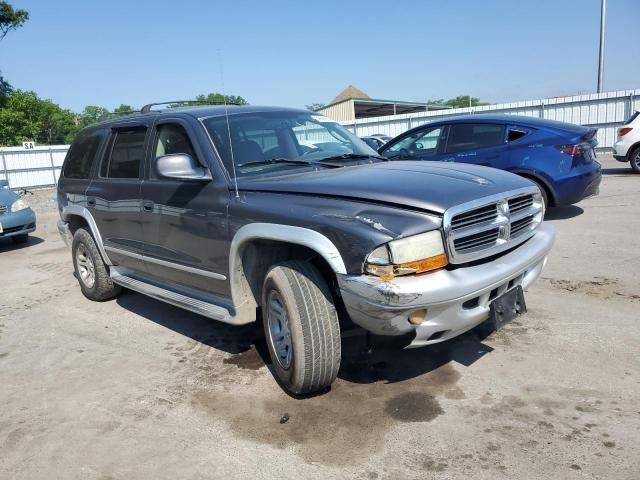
(80, 211)
(240, 290)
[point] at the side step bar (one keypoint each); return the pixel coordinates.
(200, 307)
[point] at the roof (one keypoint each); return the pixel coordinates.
(534, 122)
(198, 112)
(347, 93)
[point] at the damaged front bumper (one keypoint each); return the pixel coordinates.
(455, 300)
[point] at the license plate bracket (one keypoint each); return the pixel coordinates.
(507, 307)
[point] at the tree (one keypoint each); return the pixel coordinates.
(461, 101)
(92, 114)
(123, 109)
(213, 99)
(11, 19)
(314, 107)
(5, 91)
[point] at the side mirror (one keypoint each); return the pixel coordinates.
(180, 166)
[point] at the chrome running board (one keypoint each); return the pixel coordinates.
(201, 307)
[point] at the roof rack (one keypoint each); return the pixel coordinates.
(147, 107)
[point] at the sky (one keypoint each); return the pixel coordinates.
(294, 53)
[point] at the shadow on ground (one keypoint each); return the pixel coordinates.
(618, 171)
(563, 213)
(361, 362)
(7, 245)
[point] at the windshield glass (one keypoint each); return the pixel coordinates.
(263, 142)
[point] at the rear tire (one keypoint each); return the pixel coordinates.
(90, 269)
(543, 190)
(634, 160)
(301, 327)
(20, 238)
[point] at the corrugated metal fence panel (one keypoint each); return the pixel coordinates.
(604, 111)
(35, 168)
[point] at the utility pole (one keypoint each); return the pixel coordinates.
(603, 11)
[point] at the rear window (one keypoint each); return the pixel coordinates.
(515, 134)
(82, 154)
(125, 154)
(632, 118)
(470, 136)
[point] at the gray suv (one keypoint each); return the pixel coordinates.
(247, 213)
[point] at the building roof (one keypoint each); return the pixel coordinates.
(347, 93)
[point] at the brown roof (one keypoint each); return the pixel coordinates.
(349, 92)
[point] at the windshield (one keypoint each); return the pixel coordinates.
(271, 142)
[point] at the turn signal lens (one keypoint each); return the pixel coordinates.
(417, 316)
(425, 265)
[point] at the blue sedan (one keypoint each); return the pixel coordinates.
(559, 157)
(17, 219)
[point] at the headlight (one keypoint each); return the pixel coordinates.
(416, 254)
(19, 204)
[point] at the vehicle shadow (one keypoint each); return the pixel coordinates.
(360, 363)
(7, 245)
(218, 335)
(393, 364)
(563, 213)
(618, 171)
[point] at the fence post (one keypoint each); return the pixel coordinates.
(53, 167)
(541, 108)
(4, 165)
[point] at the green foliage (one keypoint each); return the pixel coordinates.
(124, 109)
(26, 117)
(460, 101)
(314, 107)
(10, 18)
(213, 99)
(5, 91)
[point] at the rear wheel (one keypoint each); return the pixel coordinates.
(543, 190)
(90, 269)
(301, 327)
(634, 160)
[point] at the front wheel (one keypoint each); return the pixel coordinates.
(634, 160)
(301, 327)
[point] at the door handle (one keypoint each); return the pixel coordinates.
(91, 201)
(147, 206)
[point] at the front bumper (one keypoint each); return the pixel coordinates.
(21, 222)
(455, 300)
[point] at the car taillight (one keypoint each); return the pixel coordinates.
(623, 131)
(575, 150)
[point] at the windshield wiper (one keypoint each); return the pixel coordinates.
(350, 156)
(274, 161)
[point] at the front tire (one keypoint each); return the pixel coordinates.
(90, 269)
(634, 160)
(301, 327)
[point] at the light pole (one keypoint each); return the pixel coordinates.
(603, 11)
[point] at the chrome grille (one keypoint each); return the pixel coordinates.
(3, 209)
(491, 225)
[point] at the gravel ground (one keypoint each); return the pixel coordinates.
(134, 388)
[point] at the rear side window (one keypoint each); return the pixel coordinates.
(515, 134)
(82, 154)
(125, 155)
(469, 136)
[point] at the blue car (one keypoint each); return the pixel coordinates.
(559, 157)
(17, 219)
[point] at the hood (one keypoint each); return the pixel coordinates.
(427, 186)
(7, 197)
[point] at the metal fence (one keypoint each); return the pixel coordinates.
(604, 111)
(39, 167)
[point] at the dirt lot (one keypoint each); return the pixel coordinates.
(134, 388)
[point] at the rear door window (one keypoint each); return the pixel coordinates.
(473, 136)
(82, 154)
(126, 153)
(516, 134)
(632, 118)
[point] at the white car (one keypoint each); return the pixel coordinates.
(627, 145)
